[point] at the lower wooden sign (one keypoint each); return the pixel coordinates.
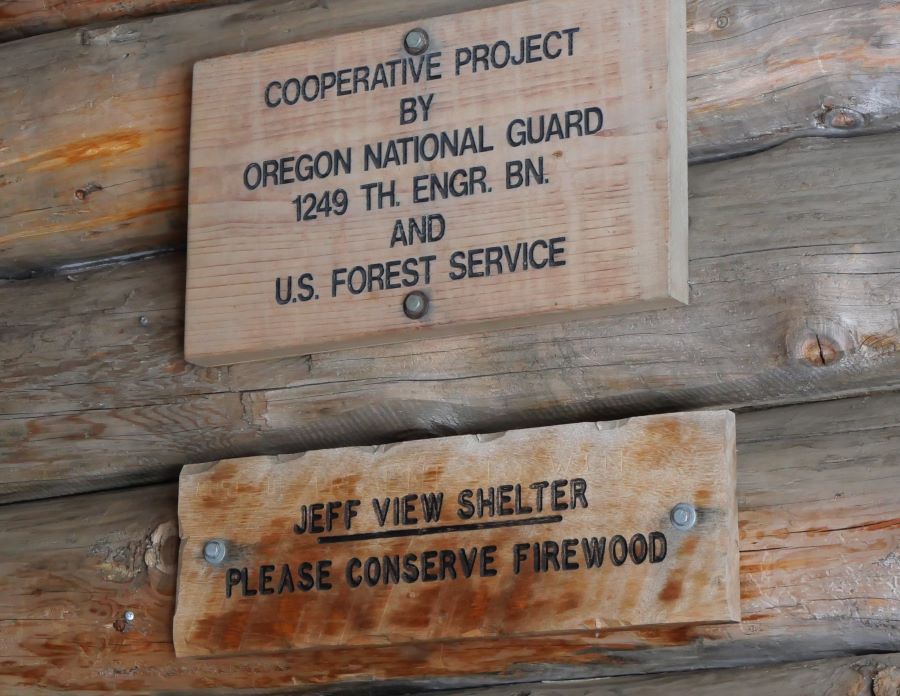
(583, 527)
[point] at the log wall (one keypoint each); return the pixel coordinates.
(819, 522)
(794, 321)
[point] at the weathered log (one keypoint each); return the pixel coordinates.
(819, 520)
(94, 155)
(851, 676)
(23, 18)
(794, 292)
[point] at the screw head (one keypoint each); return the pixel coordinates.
(214, 551)
(416, 41)
(415, 305)
(144, 321)
(722, 21)
(129, 616)
(683, 516)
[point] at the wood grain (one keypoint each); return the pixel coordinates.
(93, 158)
(846, 676)
(818, 519)
(21, 18)
(608, 488)
(601, 227)
(794, 293)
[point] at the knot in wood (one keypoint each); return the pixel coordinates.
(819, 341)
(820, 351)
(886, 682)
(839, 117)
(844, 119)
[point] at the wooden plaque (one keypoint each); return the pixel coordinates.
(529, 165)
(551, 530)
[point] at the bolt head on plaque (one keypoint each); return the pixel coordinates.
(415, 305)
(416, 41)
(214, 551)
(683, 516)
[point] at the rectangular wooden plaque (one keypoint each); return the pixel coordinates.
(530, 165)
(551, 530)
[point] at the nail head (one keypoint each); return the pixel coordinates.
(129, 616)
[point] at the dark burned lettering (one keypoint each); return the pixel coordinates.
(387, 275)
(324, 517)
(459, 183)
(344, 82)
(519, 499)
(425, 230)
(527, 49)
(269, 579)
(433, 565)
(284, 289)
(618, 550)
(484, 262)
(552, 45)
(298, 168)
(535, 130)
(637, 548)
(415, 149)
(402, 510)
(588, 553)
(422, 513)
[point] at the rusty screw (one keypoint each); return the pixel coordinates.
(416, 41)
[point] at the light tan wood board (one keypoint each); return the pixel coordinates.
(327, 182)
(541, 531)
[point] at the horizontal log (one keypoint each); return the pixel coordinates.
(850, 676)
(93, 157)
(23, 18)
(795, 263)
(818, 515)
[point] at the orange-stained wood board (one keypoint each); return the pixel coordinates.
(502, 167)
(583, 527)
